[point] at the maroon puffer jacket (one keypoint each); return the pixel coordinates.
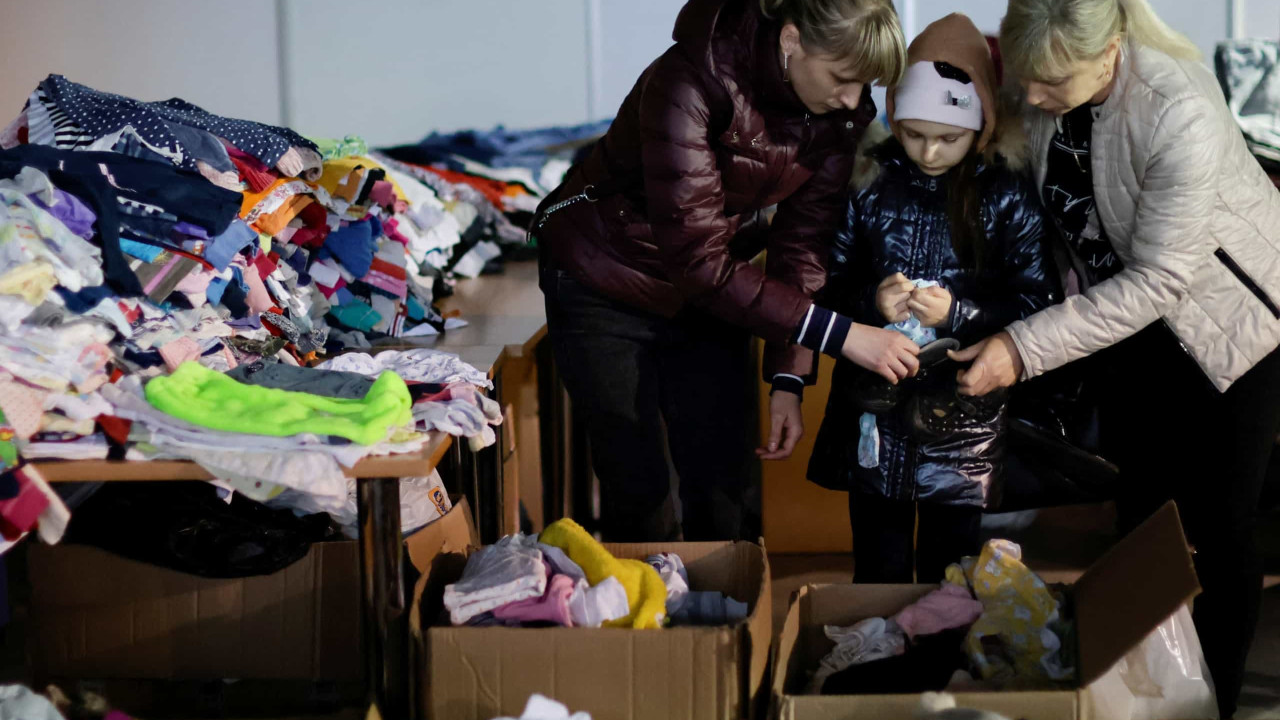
(710, 135)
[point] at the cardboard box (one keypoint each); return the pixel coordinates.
(697, 673)
(1133, 588)
(95, 615)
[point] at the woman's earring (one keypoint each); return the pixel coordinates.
(786, 72)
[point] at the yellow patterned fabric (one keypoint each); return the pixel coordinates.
(1012, 643)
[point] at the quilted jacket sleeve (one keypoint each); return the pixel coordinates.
(800, 242)
(686, 211)
(1169, 240)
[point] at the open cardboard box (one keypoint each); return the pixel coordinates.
(693, 673)
(1125, 595)
(95, 615)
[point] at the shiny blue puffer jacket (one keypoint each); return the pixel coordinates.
(897, 221)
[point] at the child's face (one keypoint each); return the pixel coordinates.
(935, 147)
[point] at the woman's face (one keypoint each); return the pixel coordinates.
(1087, 81)
(822, 82)
(935, 147)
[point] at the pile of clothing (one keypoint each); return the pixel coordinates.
(565, 578)
(503, 173)
(992, 625)
(18, 702)
(171, 282)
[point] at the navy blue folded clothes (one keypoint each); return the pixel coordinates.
(79, 116)
(139, 197)
(498, 147)
(709, 608)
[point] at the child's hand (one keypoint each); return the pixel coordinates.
(892, 296)
(931, 305)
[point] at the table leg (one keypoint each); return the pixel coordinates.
(556, 482)
(383, 609)
(486, 467)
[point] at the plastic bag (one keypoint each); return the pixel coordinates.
(1163, 678)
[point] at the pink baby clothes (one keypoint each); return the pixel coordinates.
(383, 281)
(179, 351)
(552, 607)
(257, 297)
(22, 405)
(383, 193)
(949, 607)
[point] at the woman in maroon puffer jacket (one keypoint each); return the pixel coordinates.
(651, 296)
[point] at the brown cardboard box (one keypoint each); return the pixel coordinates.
(696, 673)
(1139, 583)
(100, 616)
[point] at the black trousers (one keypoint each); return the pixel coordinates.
(644, 383)
(1174, 436)
(888, 547)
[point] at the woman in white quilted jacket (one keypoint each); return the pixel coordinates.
(1173, 238)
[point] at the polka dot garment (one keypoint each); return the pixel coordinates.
(98, 114)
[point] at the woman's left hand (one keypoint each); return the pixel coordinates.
(930, 305)
(786, 426)
(996, 364)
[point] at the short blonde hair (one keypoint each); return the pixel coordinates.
(866, 32)
(1042, 39)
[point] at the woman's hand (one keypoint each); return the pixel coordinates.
(786, 426)
(892, 295)
(930, 305)
(887, 353)
(996, 364)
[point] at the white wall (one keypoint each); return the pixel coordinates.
(394, 70)
(219, 55)
(1204, 21)
(1262, 18)
(632, 35)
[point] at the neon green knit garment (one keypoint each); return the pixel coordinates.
(213, 400)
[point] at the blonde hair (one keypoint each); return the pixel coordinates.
(1042, 39)
(867, 32)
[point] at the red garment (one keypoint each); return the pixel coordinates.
(252, 170)
(268, 325)
(387, 268)
(266, 264)
(329, 291)
(314, 228)
(493, 190)
(19, 514)
(117, 429)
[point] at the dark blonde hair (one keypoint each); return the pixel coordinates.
(867, 32)
(1042, 39)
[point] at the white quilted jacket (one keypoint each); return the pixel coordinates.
(1192, 216)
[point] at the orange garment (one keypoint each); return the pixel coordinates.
(493, 190)
(349, 188)
(251, 199)
(276, 221)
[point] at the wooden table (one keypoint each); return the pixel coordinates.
(383, 602)
(507, 311)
